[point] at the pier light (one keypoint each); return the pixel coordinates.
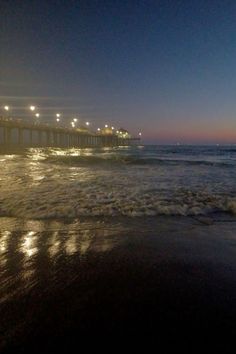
(32, 108)
(106, 126)
(72, 124)
(117, 132)
(87, 123)
(75, 120)
(6, 108)
(112, 128)
(58, 119)
(139, 133)
(98, 129)
(58, 115)
(37, 115)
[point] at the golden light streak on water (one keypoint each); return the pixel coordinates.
(85, 242)
(54, 247)
(71, 244)
(28, 246)
(4, 239)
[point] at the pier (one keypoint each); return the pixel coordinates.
(23, 134)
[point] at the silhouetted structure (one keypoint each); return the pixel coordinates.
(19, 133)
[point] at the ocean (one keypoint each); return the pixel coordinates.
(129, 181)
(134, 243)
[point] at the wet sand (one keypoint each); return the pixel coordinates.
(164, 279)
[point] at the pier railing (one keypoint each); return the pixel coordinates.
(23, 134)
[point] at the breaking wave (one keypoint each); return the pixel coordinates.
(61, 203)
(135, 182)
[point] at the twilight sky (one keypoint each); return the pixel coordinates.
(164, 67)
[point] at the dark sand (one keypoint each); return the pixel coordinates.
(160, 280)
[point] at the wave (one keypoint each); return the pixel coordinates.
(62, 202)
(50, 184)
(129, 160)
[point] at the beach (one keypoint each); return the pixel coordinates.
(117, 177)
(117, 244)
(67, 280)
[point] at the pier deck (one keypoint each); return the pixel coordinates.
(24, 134)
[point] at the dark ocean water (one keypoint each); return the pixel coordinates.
(130, 181)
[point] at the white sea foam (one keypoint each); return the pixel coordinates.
(41, 185)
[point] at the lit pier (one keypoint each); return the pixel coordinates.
(23, 134)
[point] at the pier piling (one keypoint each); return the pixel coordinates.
(23, 134)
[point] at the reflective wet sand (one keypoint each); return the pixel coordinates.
(64, 281)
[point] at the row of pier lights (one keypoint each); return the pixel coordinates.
(33, 109)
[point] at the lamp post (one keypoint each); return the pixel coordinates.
(6, 109)
(58, 115)
(37, 115)
(32, 109)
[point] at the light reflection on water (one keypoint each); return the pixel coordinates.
(3, 240)
(28, 246)
(135, 182)
(54, 244)
(71, 244)
(4, 237)
(28, 258)
(86, 240)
